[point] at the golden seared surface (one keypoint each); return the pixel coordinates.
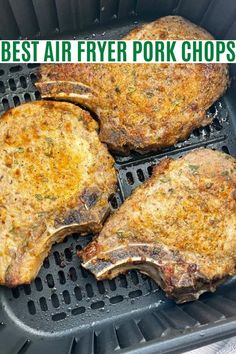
(187, 208)
(142, 106)
(56, 177)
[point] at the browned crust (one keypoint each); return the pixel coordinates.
(181, 281)
(142, 107)
(56, 179)
(178, 227)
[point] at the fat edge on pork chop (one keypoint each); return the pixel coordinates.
(56, 178)
(179, 227)
(142, 107)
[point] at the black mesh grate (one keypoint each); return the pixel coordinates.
(17, 85)
(135, 169)
(63, 290)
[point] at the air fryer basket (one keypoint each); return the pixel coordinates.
(65, 310)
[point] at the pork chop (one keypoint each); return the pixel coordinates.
(142, 107)
(56, 178)
(179, 227)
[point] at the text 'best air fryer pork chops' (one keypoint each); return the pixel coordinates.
(142, 106)
(179, 227)
(56, 178)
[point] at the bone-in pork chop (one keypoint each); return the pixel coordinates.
(142, 107)
(56, 178)
(179, 227)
